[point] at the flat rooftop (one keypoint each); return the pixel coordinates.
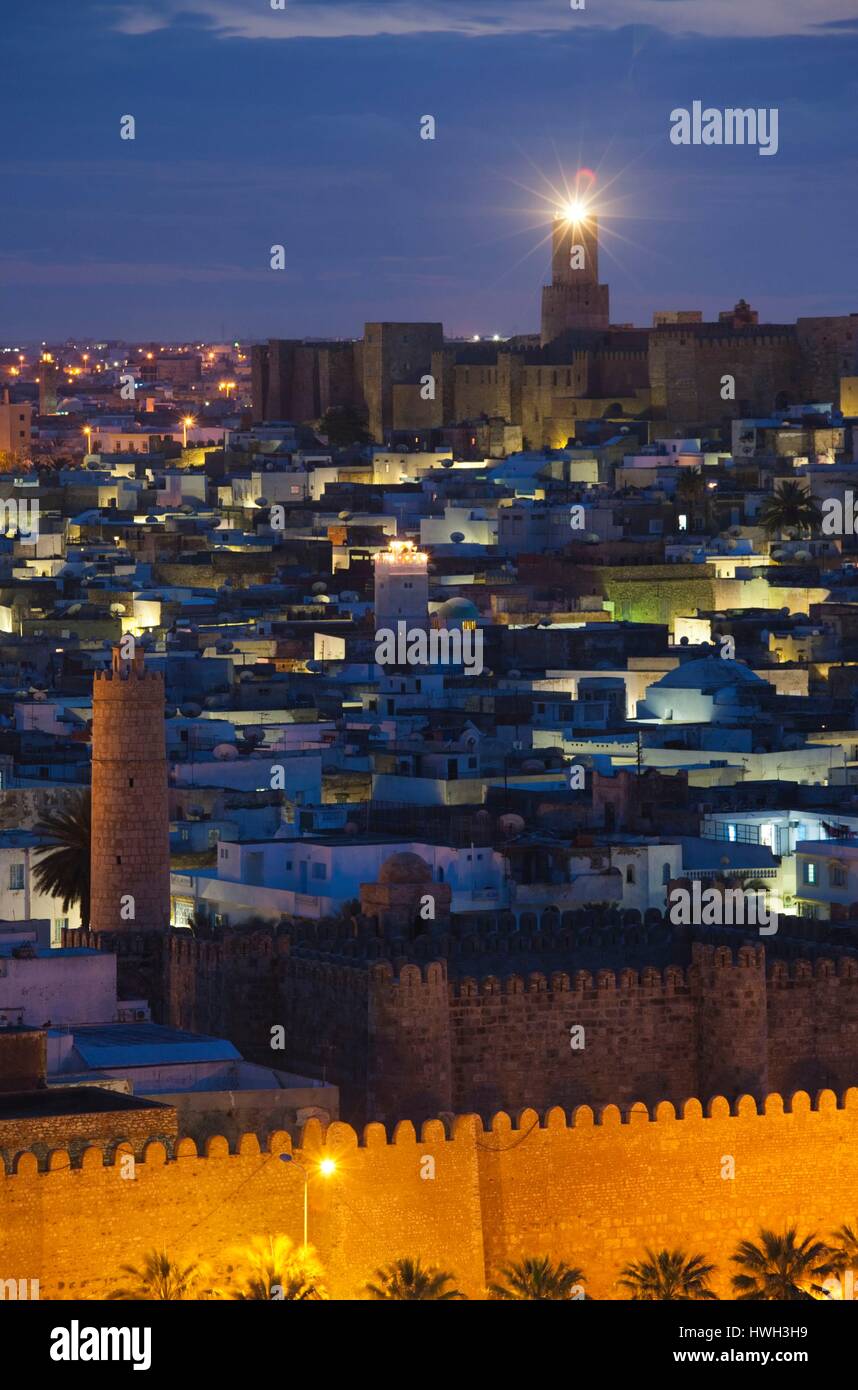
(73, 1100)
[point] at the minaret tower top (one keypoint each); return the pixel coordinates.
(574, 299)
(575, 247)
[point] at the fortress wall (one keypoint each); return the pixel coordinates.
(597, 1195)
(403, 1040)
(594, 1192)
(812, 1024)
(512, 1040)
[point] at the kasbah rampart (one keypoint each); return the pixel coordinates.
(454, 1044)
(684, 1068)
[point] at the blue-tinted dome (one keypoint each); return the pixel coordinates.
(709, 674)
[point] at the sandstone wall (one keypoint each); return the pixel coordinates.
(594, 1190)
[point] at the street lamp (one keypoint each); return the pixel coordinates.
(87, 429)
(186, 421)
(327, 1167)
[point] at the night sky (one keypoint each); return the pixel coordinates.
(302, 127)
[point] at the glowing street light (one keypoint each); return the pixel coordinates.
(186, 422)
(326, 1167)
(87, 429)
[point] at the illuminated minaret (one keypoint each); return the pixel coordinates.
(401, 586)
(48, 377)
(574, 299)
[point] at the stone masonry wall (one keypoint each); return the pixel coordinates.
(594, 1190)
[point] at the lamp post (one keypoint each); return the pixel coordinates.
(186, 421)
(326, 1167)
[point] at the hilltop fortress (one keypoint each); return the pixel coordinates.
(410, 379)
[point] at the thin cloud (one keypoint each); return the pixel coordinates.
(339, 19)
(26, 271)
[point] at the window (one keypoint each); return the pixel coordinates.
(16, 877)
(631, 876)
(837, 876)
(810, 873)
(320, 871)
(731, 832)
(665, 873)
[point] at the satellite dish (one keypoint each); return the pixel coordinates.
(511, 824)
(262, 501)
(191, 711)
(225, 751)
(514, 675)
(533, 765)
(223, 645)
(117, 609)
(344, 516)
(319, 587)
(457, 536)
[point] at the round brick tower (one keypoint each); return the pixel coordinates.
(130, 860)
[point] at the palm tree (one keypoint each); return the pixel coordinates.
(536, 1278)
(844, 1258)
(668, 1276)
(160, 1277)
(844, 1243)
(63, 867)
(275, 1269)
(782, 1267)
(790, 508)
(693, 495)
(409, 1280)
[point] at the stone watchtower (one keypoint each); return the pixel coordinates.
(130, 857)
(574, 299)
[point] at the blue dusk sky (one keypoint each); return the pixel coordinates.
(301, 126)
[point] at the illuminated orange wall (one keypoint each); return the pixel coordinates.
(594, 1194)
